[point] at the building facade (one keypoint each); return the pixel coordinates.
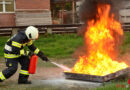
(125, 12)
(24, 12)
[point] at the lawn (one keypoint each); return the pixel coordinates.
(59, 46)
(115, 85)
(126, 43)
(54, 46)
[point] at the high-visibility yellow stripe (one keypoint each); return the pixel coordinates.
(30, 43)
(16, 44)
(22, 52)
(24, 44)
(24, 72)
(2, 77)
(36, 51)
(11, 55)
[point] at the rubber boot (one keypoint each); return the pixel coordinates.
(23, 79)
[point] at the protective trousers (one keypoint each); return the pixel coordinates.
(12, 65)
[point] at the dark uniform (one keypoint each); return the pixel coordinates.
(14, 54)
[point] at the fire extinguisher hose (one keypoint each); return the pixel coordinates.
(65, 68)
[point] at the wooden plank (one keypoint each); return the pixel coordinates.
(5, 31)
(71, 29)
(5, 34)
(83, 77)
(33, 18)
(30, 15)
(61, 32)
(47, 25)
(56, 29)
(94, 78)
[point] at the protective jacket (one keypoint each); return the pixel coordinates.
(14, 46)
(14, 53)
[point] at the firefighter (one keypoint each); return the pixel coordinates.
(15, 53)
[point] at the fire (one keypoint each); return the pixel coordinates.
(101, 37)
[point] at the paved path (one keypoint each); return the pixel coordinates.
(64, 83)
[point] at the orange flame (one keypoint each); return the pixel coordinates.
(100, 40)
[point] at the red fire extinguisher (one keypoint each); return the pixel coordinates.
(33, 64)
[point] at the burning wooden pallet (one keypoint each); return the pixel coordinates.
(94, 78)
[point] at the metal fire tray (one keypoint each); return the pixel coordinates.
(94, 78)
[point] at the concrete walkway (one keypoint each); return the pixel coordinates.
(66, 84)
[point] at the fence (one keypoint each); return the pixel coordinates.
(51, 29)
(126, 26)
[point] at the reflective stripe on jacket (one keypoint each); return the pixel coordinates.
(14, 46)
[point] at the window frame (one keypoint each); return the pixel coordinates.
(5, 8)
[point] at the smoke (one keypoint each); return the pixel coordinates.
(88, 9)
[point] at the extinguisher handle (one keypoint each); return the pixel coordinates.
(30, 53)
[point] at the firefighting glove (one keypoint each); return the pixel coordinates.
(44, 58)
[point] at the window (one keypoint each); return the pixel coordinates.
(6, 6)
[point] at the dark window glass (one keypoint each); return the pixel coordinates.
(9, 6)
(6, 5)
(1, 8)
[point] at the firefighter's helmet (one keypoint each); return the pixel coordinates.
(32, 32)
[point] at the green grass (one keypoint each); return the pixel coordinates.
(115, 85)
(54, 46)
(3, 40)
(59, 46)
(126, 43)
